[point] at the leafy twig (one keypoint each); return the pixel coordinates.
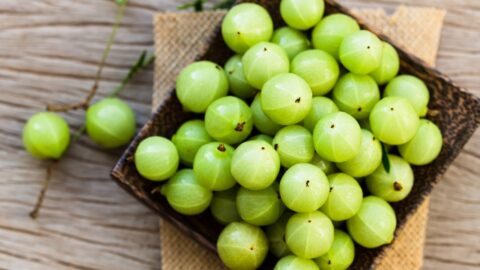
(41, 195)
(385, 159)
(225, 4)
(142, 62)
(197, 5)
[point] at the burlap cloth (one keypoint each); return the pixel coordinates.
(178, 39)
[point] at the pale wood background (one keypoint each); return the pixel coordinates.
(49, 50)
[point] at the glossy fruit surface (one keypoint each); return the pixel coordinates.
(294, 144)
(321, 106)
(156, 158)
(276, 236)
(291, 40)
(190, 136)
(425, 146)
(259, 207)
(361, 52)
(293, 262)
(261, 121)
(344, 199)
(212, 166)
(223, 206)
(236, 78)
(262, 137)
(411, 88)
(389, 65)
(326, 166)
(302, 14)
(341, 254)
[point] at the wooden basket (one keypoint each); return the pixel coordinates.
(455, 111)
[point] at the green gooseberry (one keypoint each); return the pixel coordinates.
(393, 120)
(392, 186)
(286, 99)
(212, 166)
(341, 254)
(110, 122)
(374, 224)
(294, 144)
(261, 121)
(321, 106)
(337, 137)
(302, 14)
(264, 61)
(199, 84)
(276, 236)
(229, 119)
(245, 25)
(304, 188)
(46, 135)
(368, 158)
(389, 65)
(190, 136)
(223, 206)
(292, 262)
(156, 158)
(242, 246)
(318, 68)
(309, 235)
(186, 195)
(236, 78)
(344, 199)
(262, 137)
(330, 32)
(291, 40)
(425, 146)
(356, 95)
(361, 52)
(326, 166)
(260, 207)
(411, 88)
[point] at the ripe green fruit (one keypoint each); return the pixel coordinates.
(425, 146)
(361, 52)
(293, 262)
(389, 65)
(212, 166)
(395, 185)
(190, 136)
(186, 195)
(156, 158)
(223, 206)
(326, 166)
(344, 199)
(199, 84)
(276, 236)
(302, 14)
(294, 144)
(260, 207)
(321, 106)
(246, 25)
(110, 122)
(236, 78)
(309, 235)
(411, 88)
(262, 137)
(261, 120)
(374, 224)
(242, 246)
(341, 254)
(46, 135)
(291, 40)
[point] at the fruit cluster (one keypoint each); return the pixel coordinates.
(305, 159)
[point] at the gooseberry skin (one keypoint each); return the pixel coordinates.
(156, 158)
(361, 52)
(291, 40)
(262, 137)
(330, 32)
(302, 14)
(246, 25)
(255, 165)
(368, 158)
(46, 135)
(199, 84)
(260, 120)
(321, 106)
(242, 246)
(326, 166)
(389, 65)
(276, 236)
(425, 146)
(393, 186)
(337, 137)
(286, 99)
(292, 262)
(318, 68)
(393, 120)
(190, 136)
(294, 144)
(309, 235)
(186, 195)
(110, 122)
(264, 61)
(344, 199)
(212, 166)
(236, 78)
(229, 120)
(223, 206)
(260, 207)
(304, 188)
(341, 254)
(411, 88)
(356, 95)
(374, 224)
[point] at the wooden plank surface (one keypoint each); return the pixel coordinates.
(49, 50)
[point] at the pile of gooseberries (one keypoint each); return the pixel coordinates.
(291, 155)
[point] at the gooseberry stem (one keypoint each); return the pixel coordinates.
(85, 103)
(43, 191)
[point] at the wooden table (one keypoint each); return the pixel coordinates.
(49, 51)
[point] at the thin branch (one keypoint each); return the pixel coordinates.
(41, 195)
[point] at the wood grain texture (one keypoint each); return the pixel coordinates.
(49, 50)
